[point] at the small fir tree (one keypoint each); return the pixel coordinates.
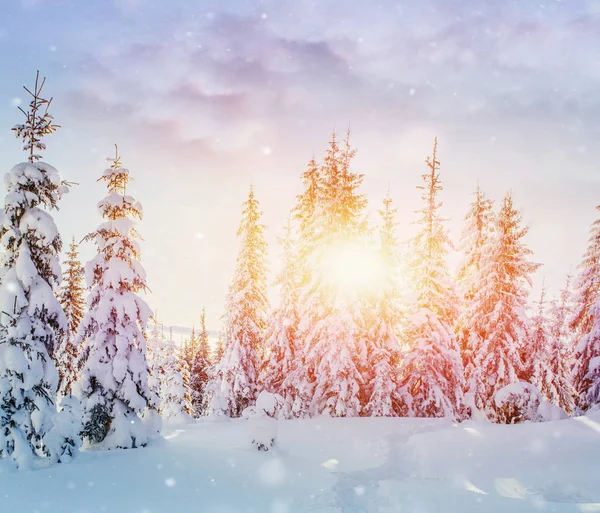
(558, 388)
(113, 383)
(72, 300)
(200, 370)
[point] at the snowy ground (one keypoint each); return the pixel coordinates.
(329, 465)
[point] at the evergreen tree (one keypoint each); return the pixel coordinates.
(384, 347)
(113, 382)
(555, 380)
(284, 353)
(31, 316)
(219, 349)
(233, 386)
(72, 301)
(585, 321)
(432, 380)
(536, 358)
(200, 370)
(332, 319)
(473, 244)
(499, 323)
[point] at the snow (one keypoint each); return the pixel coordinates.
(329, 465)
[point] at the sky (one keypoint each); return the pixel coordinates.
(205, 98)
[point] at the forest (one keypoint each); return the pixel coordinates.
(360, 328)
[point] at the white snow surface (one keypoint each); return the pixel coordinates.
(330, 465)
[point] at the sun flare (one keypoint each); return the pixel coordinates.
(352, 267)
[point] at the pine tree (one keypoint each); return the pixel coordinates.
(284, 355)
(384, 346)
(331, 321)
(31, 316)
(113, 383)
(219, 349)
(200, 370)
(536, 357)
(555, 380)
(233, 386)
(72, 301)
(432, 380)
(473, 244)
(499, 324)
(585, 321)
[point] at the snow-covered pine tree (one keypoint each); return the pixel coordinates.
(72, 300)
(558, 388)
(113, 381)
(166, 377)
(432, 379)
(155, 352)
(200, 370)
(173, 393)
(31, 316)
(233, 386)
(585, 321)
(473, 244)
(384, 346)
(331, 321)
(499, 320)
(536, 356)
(219, 349)
(283, 347)
(186, 354)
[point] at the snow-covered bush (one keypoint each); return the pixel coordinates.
(262, 426)
(517, 402)
(521, 401)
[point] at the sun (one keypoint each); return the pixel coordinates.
(353, 268)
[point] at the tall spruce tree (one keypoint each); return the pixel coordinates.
(473, 244)
(233, 386)
(283, 347)
(499, 323)
(200, 370)
(113, 382)
(31, 316)
(585, 321)
(72, 300)
(383, 344)
(432, 379)
(331, 321)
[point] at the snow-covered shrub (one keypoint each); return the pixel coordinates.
(520, 402)
(516, 403)
(262, 426)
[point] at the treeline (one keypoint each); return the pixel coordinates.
(344, 339)
(455, 346)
